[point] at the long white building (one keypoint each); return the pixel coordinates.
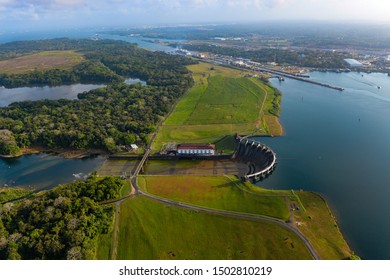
(196, 149)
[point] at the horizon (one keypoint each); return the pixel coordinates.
(16, 16)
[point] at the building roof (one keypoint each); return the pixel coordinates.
(188, 146)
(353, 62)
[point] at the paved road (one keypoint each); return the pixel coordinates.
(138, 191)
(234, 214)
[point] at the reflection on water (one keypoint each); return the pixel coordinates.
(7, 96)
(44, 170)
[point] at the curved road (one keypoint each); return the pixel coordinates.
(227, 213)
(137, 191)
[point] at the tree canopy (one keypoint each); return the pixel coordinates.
(102, 118)
(63, 223)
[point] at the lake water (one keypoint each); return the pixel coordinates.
(337, 144)
(7, 96)
(45, 171)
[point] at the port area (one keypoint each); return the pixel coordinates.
(299, 77)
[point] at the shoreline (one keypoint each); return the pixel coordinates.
(60, 152)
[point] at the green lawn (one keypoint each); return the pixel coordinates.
(228, 101)
(222, 102)
(153, 231)
(317, 223)
(226, 193)
(103, 251)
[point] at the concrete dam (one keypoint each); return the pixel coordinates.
(260, 158)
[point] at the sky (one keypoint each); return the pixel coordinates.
(40, 14)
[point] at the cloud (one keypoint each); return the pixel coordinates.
(167, 11)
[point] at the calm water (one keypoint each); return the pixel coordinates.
(7, 96)
(45, 171)
(143, 42)
(337, 144)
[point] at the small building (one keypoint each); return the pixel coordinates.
(353, 62)
(133, 146)
(196, 149)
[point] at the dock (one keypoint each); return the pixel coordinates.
(299, 78)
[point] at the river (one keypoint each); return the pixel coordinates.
(337, 144)
(44, 171)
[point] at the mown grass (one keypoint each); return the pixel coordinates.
(103, 251)
(41, 61)
(151, 230)
(222, 103)
(228, 101)
(126, 189)
(319, 226)
(208, 69)
(207, 133)
(226, 193)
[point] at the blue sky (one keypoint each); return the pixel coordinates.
(34, 14)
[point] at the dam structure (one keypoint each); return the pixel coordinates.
(260, 158)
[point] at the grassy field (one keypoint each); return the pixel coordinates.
(103, 251)
(104, 244)
(222, 102)
(317, 223)
(150, 230)
(196, 167)
(219, 193)
(41, 61)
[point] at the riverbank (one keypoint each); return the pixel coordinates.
(64, 152)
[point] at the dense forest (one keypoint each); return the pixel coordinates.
(107, 61)
(63, 223)
(307, 58)
(85, 72)
(104, 118)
